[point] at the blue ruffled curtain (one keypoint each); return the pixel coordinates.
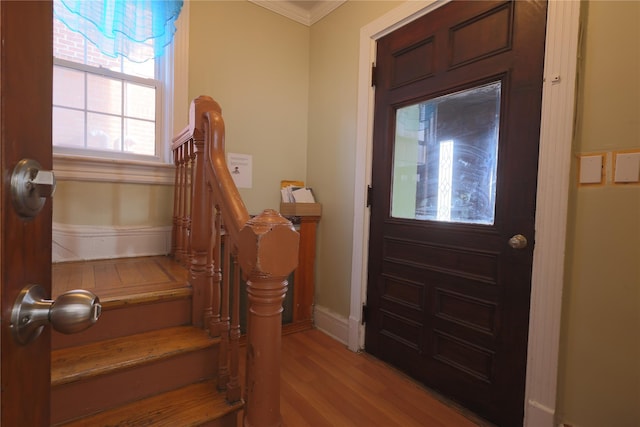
(119, 27)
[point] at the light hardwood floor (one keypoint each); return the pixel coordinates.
(325, 384)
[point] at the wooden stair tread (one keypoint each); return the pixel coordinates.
(119, 301)
(99, 358)
(117, 281)
(192, 405)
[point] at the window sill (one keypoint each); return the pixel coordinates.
(81, 168)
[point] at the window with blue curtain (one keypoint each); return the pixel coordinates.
(108, 84)
(120, 27)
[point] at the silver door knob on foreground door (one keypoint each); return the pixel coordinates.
(30, 187)
(518, 242)
(74, 311)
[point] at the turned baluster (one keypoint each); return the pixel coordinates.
(200, 273)
(217, 250)
(223, 361)
(233, 387)
(176, 204)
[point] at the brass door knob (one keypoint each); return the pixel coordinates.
(518, 242)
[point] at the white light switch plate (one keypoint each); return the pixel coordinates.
(591, 169)
(627, 167)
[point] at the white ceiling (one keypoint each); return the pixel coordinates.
(306, 12)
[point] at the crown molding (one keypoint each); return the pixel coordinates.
(302, 15)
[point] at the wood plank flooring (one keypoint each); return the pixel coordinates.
(325, 385)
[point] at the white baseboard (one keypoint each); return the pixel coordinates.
(331, 323)
(537, 414)
(82, 242)
(355, 332)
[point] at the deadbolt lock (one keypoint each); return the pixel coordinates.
(30, 187)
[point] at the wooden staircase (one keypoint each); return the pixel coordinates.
(165, 351)
(143, 363)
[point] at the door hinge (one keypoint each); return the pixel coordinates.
(365, 312)
(369, 195)
(374, 80)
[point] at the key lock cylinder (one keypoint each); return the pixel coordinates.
(72, 312)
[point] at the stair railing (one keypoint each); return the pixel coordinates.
(214, 236)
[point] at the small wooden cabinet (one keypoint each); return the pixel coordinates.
(304, 275)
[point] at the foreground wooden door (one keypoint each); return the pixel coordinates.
(456, 131)
(25, 246)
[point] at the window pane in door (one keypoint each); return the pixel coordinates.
(445, 157)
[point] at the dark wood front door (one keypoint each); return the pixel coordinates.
(25, 246)
(455, 148)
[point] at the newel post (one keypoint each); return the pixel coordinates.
(268, 253)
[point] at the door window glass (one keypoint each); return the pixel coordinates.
(445, 157)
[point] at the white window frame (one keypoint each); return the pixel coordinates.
(87, 165)
(157, 83)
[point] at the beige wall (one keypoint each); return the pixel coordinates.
(335, 43)
(255, 63)
(109, 204)
(599, 382)
(288, 95)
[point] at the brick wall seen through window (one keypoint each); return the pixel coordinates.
(102, 105)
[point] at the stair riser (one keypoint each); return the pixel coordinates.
(79, 399)
(229, 420)
(129, 320)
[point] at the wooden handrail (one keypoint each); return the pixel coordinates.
(207, 204)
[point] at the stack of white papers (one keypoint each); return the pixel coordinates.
(291, 194)
(303, 195)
